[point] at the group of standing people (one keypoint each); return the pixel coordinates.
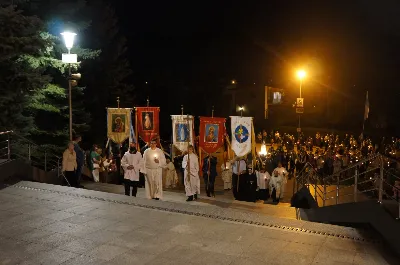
(236, 174)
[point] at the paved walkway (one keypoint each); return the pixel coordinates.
(47, 224)
(223, 199)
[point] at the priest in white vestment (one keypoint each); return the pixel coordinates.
(191, 179)
(154, 161)
(278, 181)
(171, 178)
(132, 163)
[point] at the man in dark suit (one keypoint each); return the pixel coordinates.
(209, 174)
(80, 159)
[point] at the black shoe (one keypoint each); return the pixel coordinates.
(157, 199)
(195, 196)
(208, 194)
(189, 199)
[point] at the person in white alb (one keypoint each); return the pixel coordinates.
(226, 173)
(191, 179)
(154, 161)
(131, 162)
(263, 178)
(171, 178)
(277, 182)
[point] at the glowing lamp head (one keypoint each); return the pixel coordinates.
(301, 74)
(241, 108)
(69, 39)
(233, 82)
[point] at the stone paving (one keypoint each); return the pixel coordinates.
(47, 224)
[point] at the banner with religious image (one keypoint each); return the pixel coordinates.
(242, 131)
(212, 132)
(118, 124)
(147, 122)
(182, 131)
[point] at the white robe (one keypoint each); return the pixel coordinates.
(171, 178)
(226, 171)
(263, 180)
(153, 172)
(277, 183)
(282, 173)
(134, 160)
(192, 180)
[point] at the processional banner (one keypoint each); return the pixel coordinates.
(119, 124)
(242, 128)
(212, 132)
(147, 121)
(182, 131)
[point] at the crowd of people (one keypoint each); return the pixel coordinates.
(250, 179)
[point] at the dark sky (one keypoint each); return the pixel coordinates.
(181, 47)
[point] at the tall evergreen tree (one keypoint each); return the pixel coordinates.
(21, 44)
(49, 105)
(108, 77)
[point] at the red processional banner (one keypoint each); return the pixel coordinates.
(212, 131)
(147, 122)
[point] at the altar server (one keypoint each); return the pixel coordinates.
(131, 162)
(190, 164)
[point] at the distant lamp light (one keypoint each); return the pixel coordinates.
(301, 74)
(241, 108)
(263, 151)
(233, 82)
(69, 39)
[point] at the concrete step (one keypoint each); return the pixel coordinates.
(223, 199)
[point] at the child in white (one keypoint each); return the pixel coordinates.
(191, 174)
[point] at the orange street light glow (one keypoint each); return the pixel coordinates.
(301, 74)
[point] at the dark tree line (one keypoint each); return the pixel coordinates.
(33, 80)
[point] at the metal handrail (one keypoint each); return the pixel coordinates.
(51, 161)
(309, 180)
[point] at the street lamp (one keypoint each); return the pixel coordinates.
(301, 74)
(69, 58)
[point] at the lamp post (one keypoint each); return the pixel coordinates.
(301, 74)
(69, 58)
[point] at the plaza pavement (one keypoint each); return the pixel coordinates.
(48, 224)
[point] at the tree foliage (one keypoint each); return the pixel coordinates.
(109, 75)
(49, 105)
(21, 43)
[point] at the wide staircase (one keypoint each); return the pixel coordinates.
(365, 193)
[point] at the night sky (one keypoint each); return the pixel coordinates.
(188, 51)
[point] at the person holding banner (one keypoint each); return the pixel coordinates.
(154, 161)
(190, 164)
(209, 174)
(239, 172)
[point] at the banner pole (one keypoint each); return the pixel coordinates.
(136, 130)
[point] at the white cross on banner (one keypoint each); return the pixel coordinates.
(241, 128)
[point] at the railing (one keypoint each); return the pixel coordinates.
(14, 146)
(374, 177)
